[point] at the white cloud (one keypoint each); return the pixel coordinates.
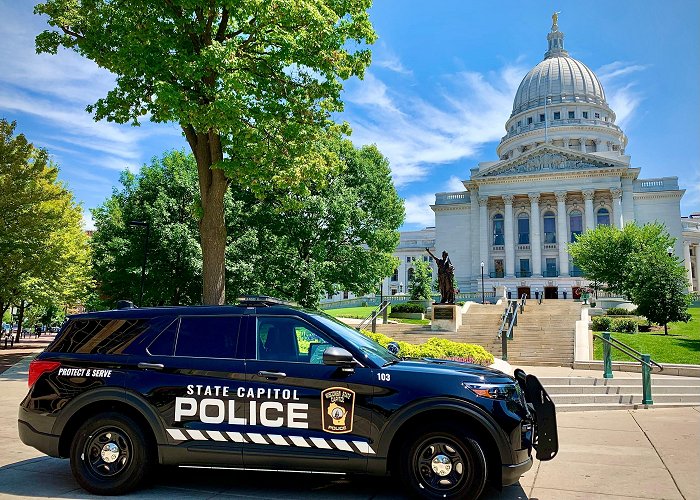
(468, 110)
(621, 93)
(88, 221)
(454, 184)
(383, 57)
(418, 210)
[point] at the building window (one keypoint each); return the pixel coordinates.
(498, 238)
(498, 268)
(603, 217)
(572, 114)
(523, 229)
(585, 114)
(550, 231)
(520, 123)
(541, 117)
(551, 267)
(529, 120)
(346, 295)
(408, 259)
(409, 274)
(557, 115)
(524, 268)
(395, 276)
(597, 115)
(575, 224)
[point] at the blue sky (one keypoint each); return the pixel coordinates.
(435, 99)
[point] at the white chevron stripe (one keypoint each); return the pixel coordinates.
(177, 434)
(277, 439)
(197, 435)
(237, 437)
(342, 445)
(216, 436)
(321, 443)
(299, 441)
(257, 438)
(364, 447)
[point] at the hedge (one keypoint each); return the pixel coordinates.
(437, 348)
(408, 308)
(601, 324)
(617, 311)
(622, 325)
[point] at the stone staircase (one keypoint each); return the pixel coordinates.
(544, 335)
(591, 394)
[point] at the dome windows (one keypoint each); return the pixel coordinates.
(557, 115)
(572, 115)
(585, 115)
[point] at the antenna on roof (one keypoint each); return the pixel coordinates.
(264, 300)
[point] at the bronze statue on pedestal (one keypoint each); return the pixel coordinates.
(446, 275)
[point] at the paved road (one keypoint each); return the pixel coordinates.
(651, 454)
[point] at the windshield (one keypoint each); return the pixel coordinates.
(373, 351)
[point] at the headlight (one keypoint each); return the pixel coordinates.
(494, 391)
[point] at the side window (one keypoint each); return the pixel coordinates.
(290, 339)
(164, 343)
(100, 336)
(208, 336)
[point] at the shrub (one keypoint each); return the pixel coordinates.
(643, 326)
(624, 325)
(438, 349)
(408, 307)
(601, 324)
(617, 311)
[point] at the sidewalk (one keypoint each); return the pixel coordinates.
(23, 348)
(651, 454)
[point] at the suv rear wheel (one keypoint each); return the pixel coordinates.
(108, 455)
(443, 464)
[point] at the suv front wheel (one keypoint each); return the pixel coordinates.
(108, 455)
(444, 464)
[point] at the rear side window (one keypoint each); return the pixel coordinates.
(100, 336)
(208, 336)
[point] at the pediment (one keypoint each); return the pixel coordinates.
(549, 159)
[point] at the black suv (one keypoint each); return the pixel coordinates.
(265, 385)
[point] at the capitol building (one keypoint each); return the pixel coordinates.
(561, 170)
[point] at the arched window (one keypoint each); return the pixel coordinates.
(410, 274)
(603, 217)
(523, 229)
(550, 228)
(575, 224)
(498, 238)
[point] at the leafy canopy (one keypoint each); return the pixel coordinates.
(420, 282)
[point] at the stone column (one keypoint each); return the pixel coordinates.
(616, 207)
(509, 242)
(535, 237)
(588, 206)
(474, 235)
(686, 262)
(697, 268)
(562, 234)
(627, 200)
(484, 234)
(583, 144)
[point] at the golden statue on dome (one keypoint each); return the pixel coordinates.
(555, 20)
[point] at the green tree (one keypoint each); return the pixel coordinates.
(340, 236)
(164, 194)
(634, 261)
(43, 248)
(251, 83)
(419, 284)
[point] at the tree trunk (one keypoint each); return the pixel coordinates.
(665, 328)
(212, 228)
(20, 320)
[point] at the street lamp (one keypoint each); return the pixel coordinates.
(483, 298)
(145, 224)
(401, 287)
(669, 251)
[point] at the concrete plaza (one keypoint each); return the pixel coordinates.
(603, 455)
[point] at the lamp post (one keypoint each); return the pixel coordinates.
(669, 251)
(145, 224)
(483, 297)
(401, 287)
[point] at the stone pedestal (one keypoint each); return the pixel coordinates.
(446, 317)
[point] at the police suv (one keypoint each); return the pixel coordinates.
(265, 385)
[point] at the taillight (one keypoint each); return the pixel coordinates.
(37, 368)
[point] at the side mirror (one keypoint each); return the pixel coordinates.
(337, 356)
(393, 348)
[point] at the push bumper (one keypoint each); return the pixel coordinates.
(545, 437)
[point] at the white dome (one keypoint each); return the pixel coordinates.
(559, 78)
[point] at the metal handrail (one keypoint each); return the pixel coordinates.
(624, 348)
(373, 316)
(644, 359)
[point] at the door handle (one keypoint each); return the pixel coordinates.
(267, 374)
(150, 366)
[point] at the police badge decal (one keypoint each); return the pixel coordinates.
(337, 409)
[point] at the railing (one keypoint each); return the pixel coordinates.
(450, 198)
(523, 274)
(510, 318)
(644, 359)
(658, 184)
(372, 318)
(496, 274)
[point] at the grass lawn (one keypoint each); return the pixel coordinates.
(681, 345)
(363, 312)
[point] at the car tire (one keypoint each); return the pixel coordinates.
(109, 454)
(443, 464)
